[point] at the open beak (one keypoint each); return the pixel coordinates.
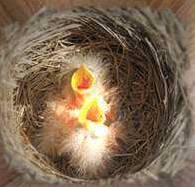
(93, 116)
(93, 111)
(82, 80)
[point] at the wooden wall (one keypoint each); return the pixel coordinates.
(20, 10)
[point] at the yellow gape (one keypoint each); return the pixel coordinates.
(92, 112)
(93, 116)
(82, 80)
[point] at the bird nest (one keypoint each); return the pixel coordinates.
(142, 54)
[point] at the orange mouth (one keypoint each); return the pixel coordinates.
(93, 116)
(82, 80)
(93, 110)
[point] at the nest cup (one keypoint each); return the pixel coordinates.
(144, 57)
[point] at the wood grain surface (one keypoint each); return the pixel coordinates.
(20, 10)
(12, 11)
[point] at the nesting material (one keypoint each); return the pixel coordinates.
(77, 124)
(93, 94)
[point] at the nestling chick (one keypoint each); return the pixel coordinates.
(75, 121)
